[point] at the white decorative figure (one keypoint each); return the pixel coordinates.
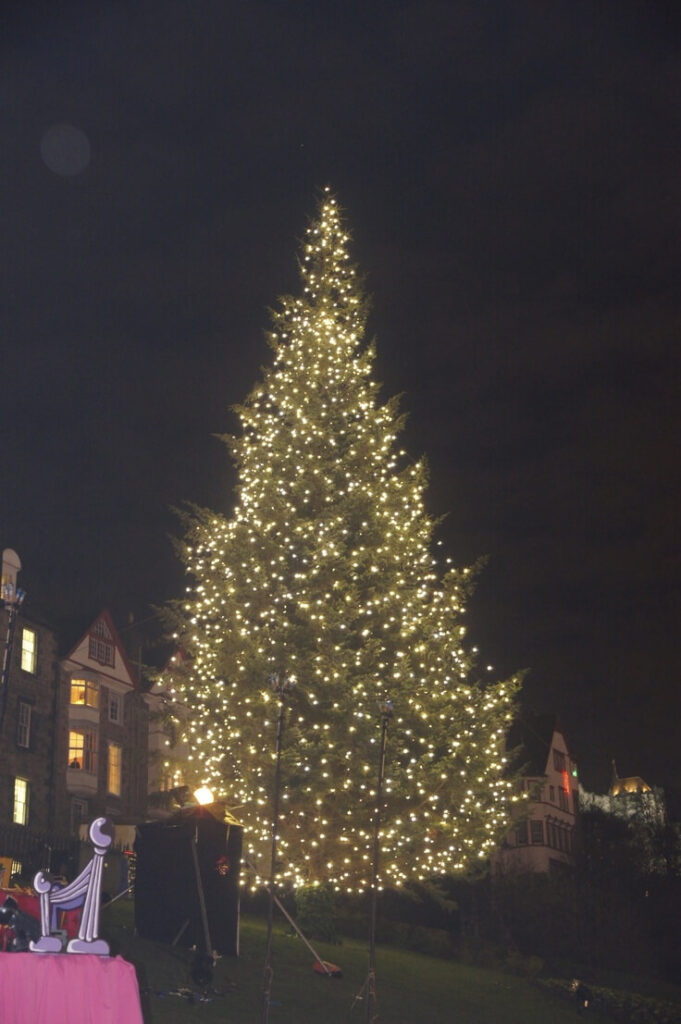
(86, 890)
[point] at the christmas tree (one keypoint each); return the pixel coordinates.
(324, 573)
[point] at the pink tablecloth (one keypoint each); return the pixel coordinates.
(67, 988)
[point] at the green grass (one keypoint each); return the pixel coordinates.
(411, 988)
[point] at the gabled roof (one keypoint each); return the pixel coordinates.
(103, 625)
(533, 734)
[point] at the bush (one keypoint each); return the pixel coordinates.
(627, 1007)
(525, 966)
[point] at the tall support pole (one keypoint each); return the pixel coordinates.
(281, 687)
(386, 709)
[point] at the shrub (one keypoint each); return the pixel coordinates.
(628, 1007)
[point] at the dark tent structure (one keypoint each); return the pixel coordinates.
(182, 862)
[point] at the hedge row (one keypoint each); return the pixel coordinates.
(627, 1007)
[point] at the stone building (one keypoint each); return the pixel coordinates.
(33, 800)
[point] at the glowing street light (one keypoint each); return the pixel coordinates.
(203, 795)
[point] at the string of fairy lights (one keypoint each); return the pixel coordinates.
(324, 570)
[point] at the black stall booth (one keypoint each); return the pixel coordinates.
(187, 880)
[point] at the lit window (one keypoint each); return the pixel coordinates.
(83, 750)
(85, 692)
(24, 724)
(114, 707)
(29, 648)
(21, 793)
(115, 757)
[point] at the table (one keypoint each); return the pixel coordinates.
(68, 988)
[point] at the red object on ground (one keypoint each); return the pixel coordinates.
(332, 970)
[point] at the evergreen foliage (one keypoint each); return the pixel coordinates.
(323, 571)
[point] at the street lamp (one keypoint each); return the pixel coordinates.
(281, 686)
(203, 795)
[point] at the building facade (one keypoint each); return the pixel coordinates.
(105, 763)
(544, 836)
(33, 799)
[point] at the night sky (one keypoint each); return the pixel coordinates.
(511, 173)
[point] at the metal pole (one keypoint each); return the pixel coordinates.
(281, 688)
(386, 709)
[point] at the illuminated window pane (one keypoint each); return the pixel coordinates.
(29, 647)
(85, 692)
(115, 764)
(83, 750)
(21, 791)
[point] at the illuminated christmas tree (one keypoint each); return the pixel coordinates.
(324, 572)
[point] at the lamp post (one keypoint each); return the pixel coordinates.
(281, 686)
(385, 708)
(13, 598)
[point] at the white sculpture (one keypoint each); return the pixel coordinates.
(85, 890)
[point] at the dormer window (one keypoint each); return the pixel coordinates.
(101, 648)
(558, 760)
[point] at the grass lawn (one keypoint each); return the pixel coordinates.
(411, 988)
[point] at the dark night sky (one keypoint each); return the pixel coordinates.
(512, 176)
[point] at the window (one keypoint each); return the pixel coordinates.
(114, 707)
(101, 646)
(21, 794)
(563, 801)
(84, 691)
(552, 794)
(537, 832)
(559, 760)
(29, 650)
(521, 833)
(24, 724)
(78, 813)
(83, 750)
(100, 651)
(115, 762)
